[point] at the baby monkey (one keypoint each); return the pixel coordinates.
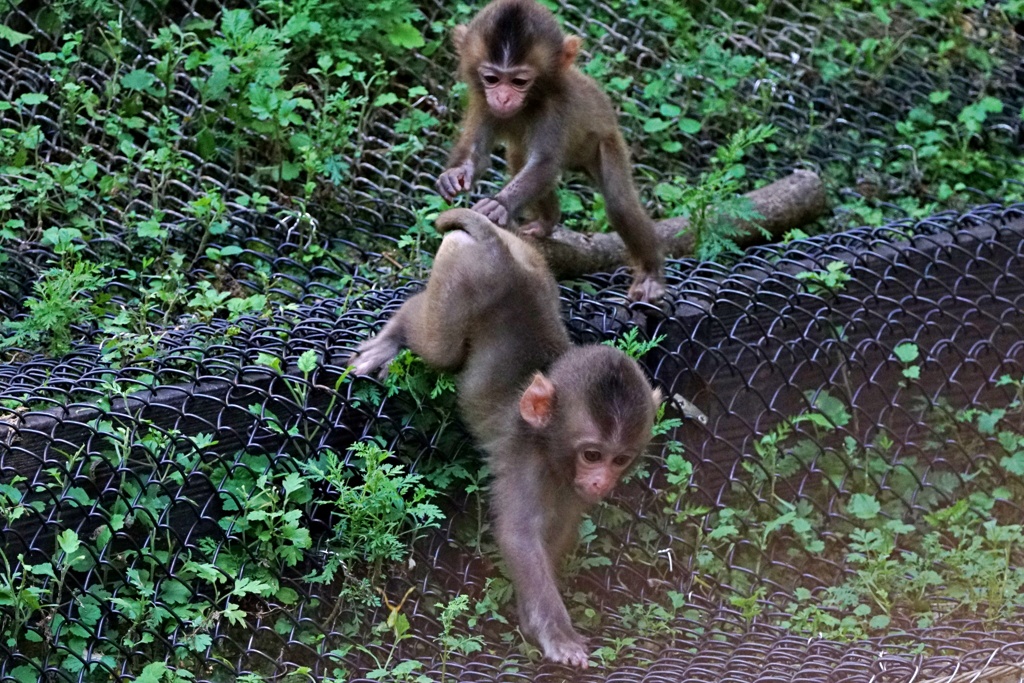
(525, 91)
(559, 424)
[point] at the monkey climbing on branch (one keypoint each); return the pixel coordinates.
(525, 91)
(559, 424)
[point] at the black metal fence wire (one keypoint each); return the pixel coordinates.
(113, 452)
(749, 345)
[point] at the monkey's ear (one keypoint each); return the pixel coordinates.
(658, 398)
(570, 48)
(538, 401)
(459, 37)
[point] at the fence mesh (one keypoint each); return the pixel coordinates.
(849, 511)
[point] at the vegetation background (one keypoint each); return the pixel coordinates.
(182, 182)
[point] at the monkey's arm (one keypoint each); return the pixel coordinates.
(521, 518)
(470, 157)
(543, 162)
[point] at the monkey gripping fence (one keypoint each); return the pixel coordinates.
(931, 316)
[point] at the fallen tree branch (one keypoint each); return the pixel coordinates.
(789, 203)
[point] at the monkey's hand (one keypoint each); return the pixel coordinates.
(646, 288)
(493, 210)
(565, 648)
(455, 180)
(373, 354)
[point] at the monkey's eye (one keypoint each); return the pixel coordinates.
(592, 455)
(621, 460)
(490, 79)
(520, 82)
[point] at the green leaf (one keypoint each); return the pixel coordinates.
(723, 531)
(987, 421)
(139, 79)
(863, 506)
(201, 642)
(44, 569)
(689, 126)
(669, 111)
(151, 230)
(668, 192)
(879, 622)
(292, 483)
(655, 125)
(906, 353)
(268, 360)
(236, 22)
(287, 596)
(68, 542)
(405, 35)
(175, 592)
(206, 144)
(308, 361)
(939, 96)
(152, 673)
(991, 104)
(33, 98)
(13, 37)
(832, 408)
(26, 674)
(89, 614)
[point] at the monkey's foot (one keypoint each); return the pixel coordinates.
(373, 354)
(494, 210)
(566, 648)
(537, 230)
(647, 289)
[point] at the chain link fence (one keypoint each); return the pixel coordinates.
(173, 499)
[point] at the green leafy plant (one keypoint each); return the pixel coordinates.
(713, 204)
(830, 281)
(450, 642)
(380, 510)
(63, 296)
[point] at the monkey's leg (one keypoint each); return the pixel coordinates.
(547, 212)
(433, 323)
(439, 324)
(380, 350)
(627, 216)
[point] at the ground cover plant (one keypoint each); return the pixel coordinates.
(164, 168)
(305, 109)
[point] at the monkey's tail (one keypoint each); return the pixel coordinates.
(479, 227)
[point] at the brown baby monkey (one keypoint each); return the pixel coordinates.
(525, 91)
(559, 424)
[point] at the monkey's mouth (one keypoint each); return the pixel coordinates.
(505, 113)
(588, 497)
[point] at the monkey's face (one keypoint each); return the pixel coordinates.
(598, 468)
(506, 88)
